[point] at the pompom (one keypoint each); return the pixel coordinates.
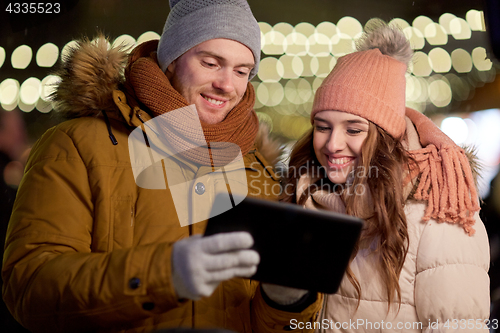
(390, 40)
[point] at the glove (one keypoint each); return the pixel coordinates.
(199, 263)
(283, 295)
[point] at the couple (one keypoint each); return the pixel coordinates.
(89, 250)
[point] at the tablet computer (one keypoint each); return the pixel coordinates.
(298, 247)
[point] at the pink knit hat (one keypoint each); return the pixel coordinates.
(370, 83)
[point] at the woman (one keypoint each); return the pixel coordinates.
(422, 260)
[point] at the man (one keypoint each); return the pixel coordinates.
(95, 243)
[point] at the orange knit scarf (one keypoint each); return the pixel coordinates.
(149, 85)
(446, 180)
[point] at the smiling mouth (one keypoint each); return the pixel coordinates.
(340, 161)
(213, 101)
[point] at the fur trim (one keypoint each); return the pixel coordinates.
(269, 147)
(89, 74)
(475, 165)
(389, 40)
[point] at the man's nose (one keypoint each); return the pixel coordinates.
(224, 81)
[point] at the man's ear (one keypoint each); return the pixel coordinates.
(170, 70)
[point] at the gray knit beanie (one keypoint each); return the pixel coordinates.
(191, 22)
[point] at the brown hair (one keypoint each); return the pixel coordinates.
(386, 223)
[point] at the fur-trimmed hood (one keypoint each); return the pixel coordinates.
(89, 74)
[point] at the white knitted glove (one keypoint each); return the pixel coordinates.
(199, 263)
(283, 295)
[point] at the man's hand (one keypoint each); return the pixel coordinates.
(199, 263)
(283, 295)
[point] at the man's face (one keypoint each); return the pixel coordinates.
(212, 75)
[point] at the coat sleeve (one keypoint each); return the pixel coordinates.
(452, 283)
(53, 282)
(266, 319)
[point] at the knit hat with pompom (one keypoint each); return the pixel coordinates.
(371, 82)
(192, 22)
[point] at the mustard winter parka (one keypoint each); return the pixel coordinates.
(89, 250)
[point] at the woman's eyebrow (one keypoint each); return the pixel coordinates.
(319, 119)
(357, 121)
(349, 121)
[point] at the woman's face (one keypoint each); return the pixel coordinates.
(337, 139)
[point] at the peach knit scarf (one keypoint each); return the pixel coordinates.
(148, 84)
(446, 180)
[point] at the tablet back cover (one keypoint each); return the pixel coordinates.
(298, 247)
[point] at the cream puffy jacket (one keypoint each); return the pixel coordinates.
(444, 284)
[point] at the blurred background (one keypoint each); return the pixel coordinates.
(454, 78)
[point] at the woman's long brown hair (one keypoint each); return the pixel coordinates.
(386, 223)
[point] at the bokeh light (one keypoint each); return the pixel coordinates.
(305, 28)
(264, 29)
(322, 66)
(456, 128)
(316, 84)
(440, 60)
(327, 28)
(296, 44)
(400, 23)
(2, 56)
(444, 21)
(461, 60)
(48, 86)
(421, 22)
(256, 85)
(412, 88)
(9, 94)
(25, 107)
(435, 34)
(67, 48)
(475, 19)
(460, 29)
(342, 44)
(21, 57)
(416, 89)
(270, 93)
(306, 66)
(480, 59)
(415, 37)
(292, 66)
(350, 26)
(264, 118)
(284, 28)
(459, 87)
(30, 91)
(275, 43)
(439, 93)
(47, 55)
(270, 70)
(147, 36)
(421, 64)
(319, 45)
(43, 106)
(125, 41)
(298, 91)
